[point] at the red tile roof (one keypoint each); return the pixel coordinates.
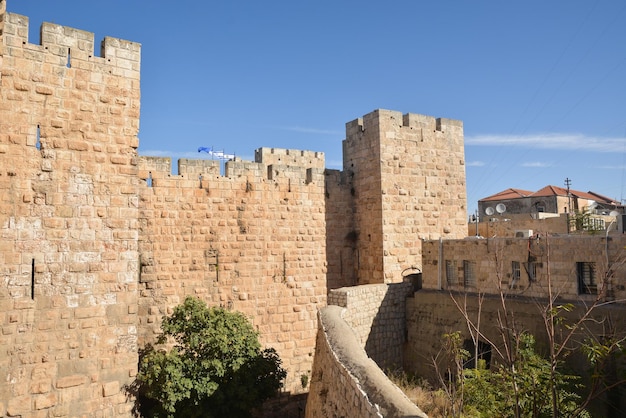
(548, 191)
(507, 194)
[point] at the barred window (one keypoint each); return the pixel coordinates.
(586, 278)
(469, 273)
(451, 278)
(515, 271)
(531, 269)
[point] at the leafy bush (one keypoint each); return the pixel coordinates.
(215, 367)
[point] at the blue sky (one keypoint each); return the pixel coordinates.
(539, 85)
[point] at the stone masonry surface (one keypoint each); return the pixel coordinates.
(68, 221)
(345, 382)
(376, 314)
(97, 243)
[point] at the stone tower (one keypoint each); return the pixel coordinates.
(406, 178)
(68, 220)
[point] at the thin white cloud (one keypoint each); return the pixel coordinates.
(475, 164)
(551, 141)
(536, 164)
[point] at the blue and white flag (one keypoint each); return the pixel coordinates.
(217, 154)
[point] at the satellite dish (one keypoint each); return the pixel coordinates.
(489, 211)
(614, 213)
(500, 208)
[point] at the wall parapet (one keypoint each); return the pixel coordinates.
(70, 45)
(272, 165)
(376, 313)
(345, 381)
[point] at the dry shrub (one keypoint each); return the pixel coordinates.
(432, 401)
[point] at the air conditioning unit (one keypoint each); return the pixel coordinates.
(524, 233)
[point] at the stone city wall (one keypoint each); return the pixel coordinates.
(341, 235)
(376, 313)
(252, 240)
(345, 382)
(68, 221)
(98, 244)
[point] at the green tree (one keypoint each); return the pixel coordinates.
(525, 383)
(490, 393)
(214, 368)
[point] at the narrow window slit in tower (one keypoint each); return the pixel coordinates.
(149, 179)
(32, 280)
(200, 178)
(69, 57)
(38, 144)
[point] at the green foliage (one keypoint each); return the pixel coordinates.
(304, 380)
(526, 384)
(215, 367)
(582, 220)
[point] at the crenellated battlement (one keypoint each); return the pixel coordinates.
(290, 157)
(408, 120)
(71, 47)
(276, 165)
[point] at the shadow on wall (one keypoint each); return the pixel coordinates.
(341, 235)
(345, 381)
(387, 331)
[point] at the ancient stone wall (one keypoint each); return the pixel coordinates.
(376, 313)
(345, 382)
(252, 241)
(408, 176)
(98, 244)
(3, 7)
(341, 235)
(68, 221)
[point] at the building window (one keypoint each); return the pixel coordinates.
(586, 278)
(595, 224)
(451, 272)
(469, 273)
(531, 269)
(515, 272)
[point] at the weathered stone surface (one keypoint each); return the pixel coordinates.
(97, 243)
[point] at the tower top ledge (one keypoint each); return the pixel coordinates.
(410, 120)
(78, 44)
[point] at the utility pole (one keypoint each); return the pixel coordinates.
(568, 182)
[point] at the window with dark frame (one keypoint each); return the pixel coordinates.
(469, 274)
(586, 278)
(451, 278)
(515, 272)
